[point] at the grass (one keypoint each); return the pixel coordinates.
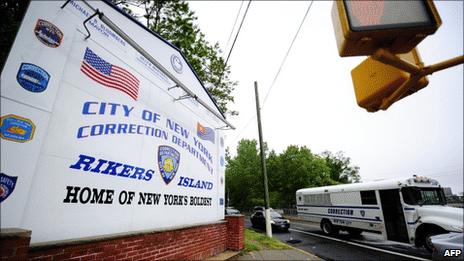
(255, 242)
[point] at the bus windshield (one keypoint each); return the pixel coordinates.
(423, 196)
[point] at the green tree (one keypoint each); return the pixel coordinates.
(341, 169)
(174, 21)
(11, 12)
(294, 169)
(244, 182)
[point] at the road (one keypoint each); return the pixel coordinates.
(368, 246)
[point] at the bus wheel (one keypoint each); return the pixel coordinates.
(328, 228)
(427, 242)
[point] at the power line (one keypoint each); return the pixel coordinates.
(278, 72)
(286, 55)
(244, 128)
(236, 36)
(233, 27)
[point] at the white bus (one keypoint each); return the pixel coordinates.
(402, 210)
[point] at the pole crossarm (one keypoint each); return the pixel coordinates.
(444, 65)
(145, 54)
(416, 72)
(386, 57)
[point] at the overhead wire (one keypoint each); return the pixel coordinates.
(235, 22)
(278, 71)
(238, 32)
(286, 55)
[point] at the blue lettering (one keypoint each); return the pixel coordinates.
(122, 128)
(127, 110)
(102, 108)
(126, 170)
(149, 174)
(111, 168)
(192, 183)
(83, 160)
(180, 181)
(96, 130)
(113, 107)
(109, 128)
(100, 163)
(150, 116)
(86, 108)
(80, 131)
(132, 128)
(177, 128)
(138, 173)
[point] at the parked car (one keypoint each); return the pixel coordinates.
(447, 246)
(231, 211)
(277, 221)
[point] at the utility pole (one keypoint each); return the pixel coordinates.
(267, 211)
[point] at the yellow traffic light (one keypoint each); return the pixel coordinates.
(362, 27)
(375, 81)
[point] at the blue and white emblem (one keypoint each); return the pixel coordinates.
(7, 185)
(32, 78)
(168, 162)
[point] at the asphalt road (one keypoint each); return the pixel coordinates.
(368, 246)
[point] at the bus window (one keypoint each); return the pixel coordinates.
(423, 196)
(368, 197)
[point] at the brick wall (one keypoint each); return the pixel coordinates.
(196, 243)
(235, 232)
(14, 244)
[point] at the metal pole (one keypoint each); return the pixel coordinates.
(267, 211)
(444, 65)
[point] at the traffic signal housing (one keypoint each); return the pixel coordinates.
(362, 27)
(375, 81)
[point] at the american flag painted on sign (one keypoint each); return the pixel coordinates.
(109, 75)
(205, 133)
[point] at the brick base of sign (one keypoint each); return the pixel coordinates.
(192, 243)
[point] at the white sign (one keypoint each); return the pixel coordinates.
(92, 141)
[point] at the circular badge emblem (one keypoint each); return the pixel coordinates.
(176, 63)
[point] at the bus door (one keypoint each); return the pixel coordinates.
(393, 215)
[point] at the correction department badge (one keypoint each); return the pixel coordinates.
(16, 128)
(363, 213)
(7, 185)
(48, 33)
(168, 162)
(32, 78)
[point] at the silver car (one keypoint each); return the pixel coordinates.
(447, 246)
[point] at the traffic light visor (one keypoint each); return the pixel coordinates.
(378, 14)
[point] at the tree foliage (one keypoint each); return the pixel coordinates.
(295, 168)
(174, 21)
(11, 13)
(244, 183)
(340, 166)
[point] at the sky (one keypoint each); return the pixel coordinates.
(312, 102)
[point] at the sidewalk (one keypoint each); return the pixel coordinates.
(292, 254)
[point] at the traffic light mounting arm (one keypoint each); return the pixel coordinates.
(417, 72)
